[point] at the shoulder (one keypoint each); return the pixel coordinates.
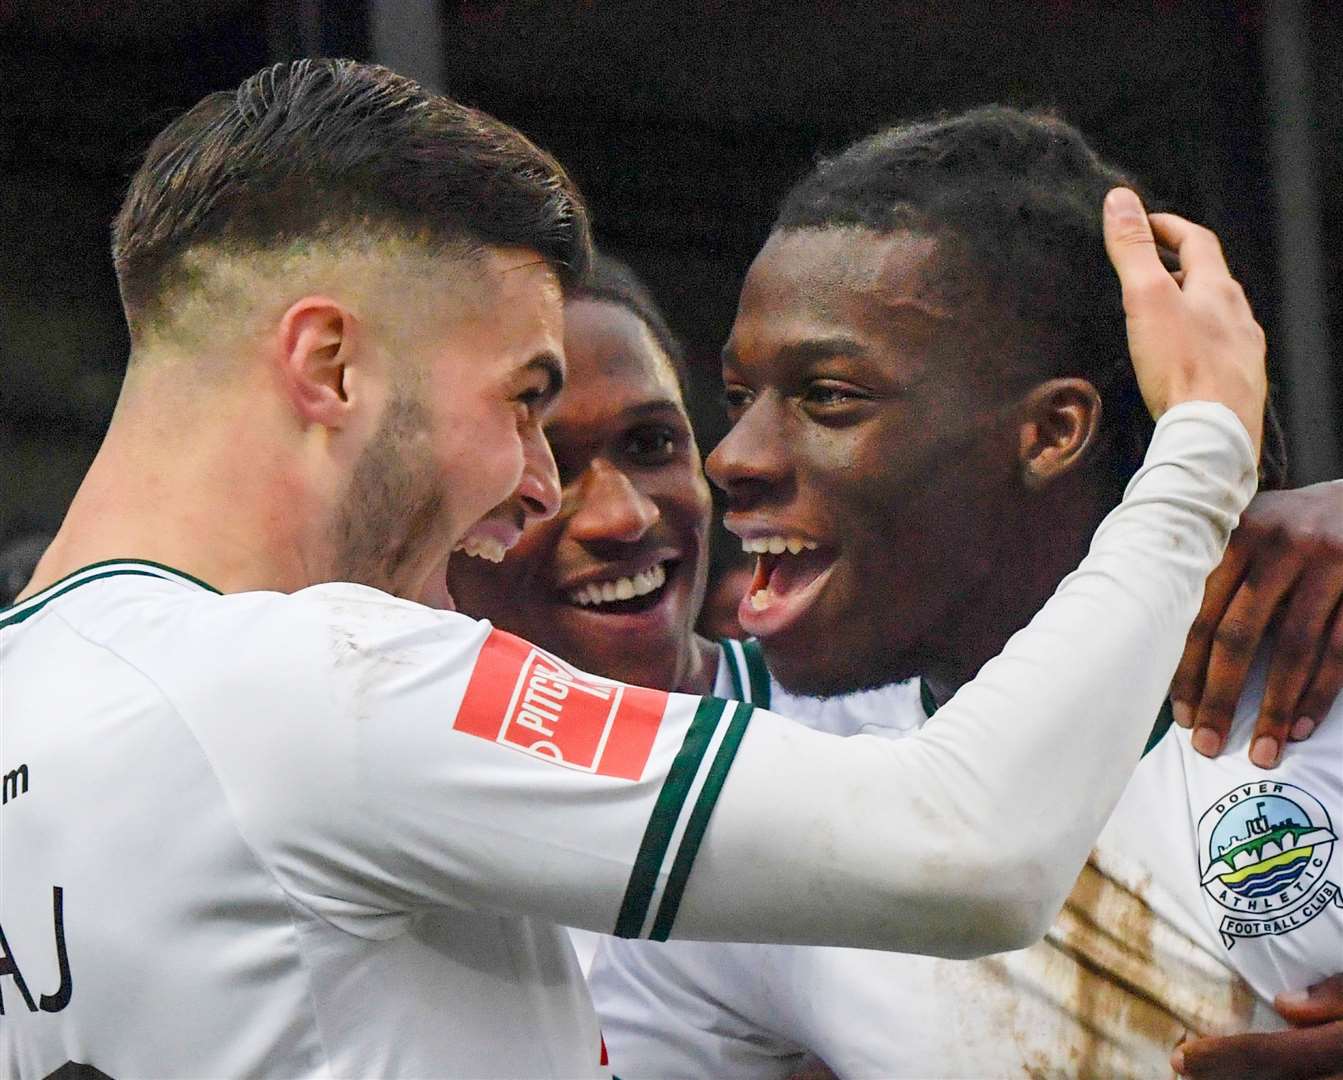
(357, 623)
(286, 678)
(275, 643)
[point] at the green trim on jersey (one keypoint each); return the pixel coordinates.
(747, 670)
(662, 821)
(757, 671)
(699, 822)
(926, 699)
(1164, 718)
(678, 820)
(25, 609)
(731, 649)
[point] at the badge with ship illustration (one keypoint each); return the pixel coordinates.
(1263, 850)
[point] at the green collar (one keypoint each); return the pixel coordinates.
(26, 609)
(746, 668)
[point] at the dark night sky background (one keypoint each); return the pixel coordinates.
(683, 123)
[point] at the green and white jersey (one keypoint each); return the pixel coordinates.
(333, 833)
(325, 834)
(885, 712)
(1214, 886)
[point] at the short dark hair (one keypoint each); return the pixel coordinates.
(612, 281)
(1018, 195)
(332, 150)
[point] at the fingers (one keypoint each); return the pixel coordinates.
(1199, 249)
(1195, 340)
(1298, 659)
(1319, 1004)
(1186, 688)
(1326, 683)
(1282, 578)
(1235, 643)
(1309, 1053)
(1131, 245)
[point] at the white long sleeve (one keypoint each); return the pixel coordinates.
(298, 797)
(964, 839)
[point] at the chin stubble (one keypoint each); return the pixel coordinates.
(394, 498)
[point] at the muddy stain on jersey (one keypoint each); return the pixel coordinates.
(1129, 987)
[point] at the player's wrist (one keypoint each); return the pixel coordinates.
(1244, 401)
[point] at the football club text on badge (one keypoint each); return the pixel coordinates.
(1263, 850)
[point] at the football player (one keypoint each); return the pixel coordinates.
(880, 334)
(264, 813)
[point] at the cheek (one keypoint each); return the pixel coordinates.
(494, 591)
(682, 494)
(531, 559)
(846, 473)
(484, 458)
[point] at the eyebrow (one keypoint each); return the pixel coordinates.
(661, 407)
(648, 408)
(810, 349)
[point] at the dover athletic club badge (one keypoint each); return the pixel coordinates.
(1264, 848)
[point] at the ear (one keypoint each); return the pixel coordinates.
(1060, 423)
(317, 338)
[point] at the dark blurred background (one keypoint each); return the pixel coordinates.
(684, 124)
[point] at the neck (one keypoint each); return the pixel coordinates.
(1040, 559)
(204, 495)
(700, 670)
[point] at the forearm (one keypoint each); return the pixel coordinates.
(966, 838)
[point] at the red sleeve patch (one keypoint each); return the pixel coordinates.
(528, 700)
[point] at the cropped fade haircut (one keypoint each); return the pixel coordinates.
(340, 152)
(1017, 196)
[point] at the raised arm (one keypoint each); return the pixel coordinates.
(441, 763)
(966, 838)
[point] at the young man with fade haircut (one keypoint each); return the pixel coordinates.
(277, 819)
(931, 413)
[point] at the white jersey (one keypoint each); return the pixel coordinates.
(318, 862)
(332, 833)
(743, 676)
(1214, 887)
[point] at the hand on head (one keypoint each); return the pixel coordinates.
(1194, 339)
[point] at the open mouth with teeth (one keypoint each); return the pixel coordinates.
(483, 547)
(789, 572)
(627, 595)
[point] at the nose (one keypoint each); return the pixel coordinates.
(539, 489)
(610, 507)
(752, 456)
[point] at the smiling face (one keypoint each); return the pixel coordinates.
(872, 464)
(614, 581)
(458, 458)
